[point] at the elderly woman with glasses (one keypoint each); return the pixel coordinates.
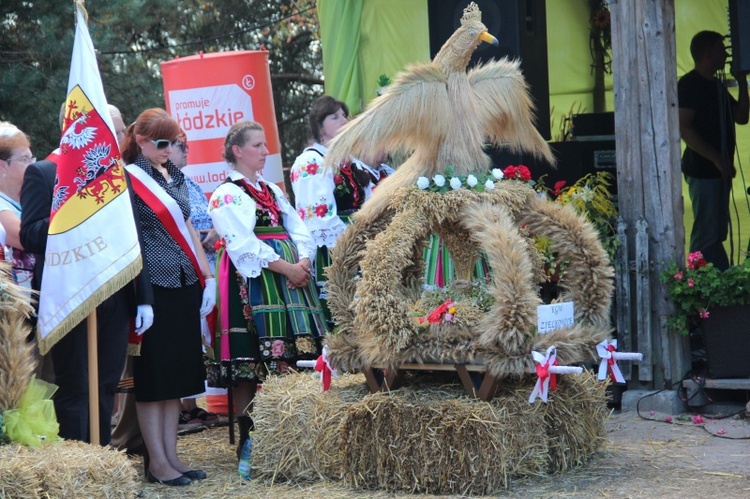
(15, 156)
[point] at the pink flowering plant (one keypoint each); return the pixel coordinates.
(700, 287)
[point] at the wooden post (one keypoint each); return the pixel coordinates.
(93, 359)
(648, 157)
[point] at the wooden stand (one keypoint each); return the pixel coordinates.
(482, 387)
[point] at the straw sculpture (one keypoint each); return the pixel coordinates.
(445, 115)
(424, 438)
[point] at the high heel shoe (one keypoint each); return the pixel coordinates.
(179, 481)
(195, 474)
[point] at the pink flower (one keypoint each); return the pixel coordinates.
(448, 317)
(277, 348)
(696, 260)
(668, 419)
(691, 282)
(698, 419)
(721, 431)
(302, 213)
(651, 413)
(704, 314)
(679, 275)
(228, 199)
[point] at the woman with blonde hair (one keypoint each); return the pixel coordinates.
(269, 315)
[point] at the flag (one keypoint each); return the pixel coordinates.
(92, 245)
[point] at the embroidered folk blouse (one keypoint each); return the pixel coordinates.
(235, 216)
(322, 194)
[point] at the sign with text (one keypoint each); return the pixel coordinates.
(207, 94)
(554, 316)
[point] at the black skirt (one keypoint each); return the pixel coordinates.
(171, 362)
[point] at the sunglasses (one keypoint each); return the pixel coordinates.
(164, 143)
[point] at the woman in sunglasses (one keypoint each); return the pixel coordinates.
(170, 364)
(15, 156)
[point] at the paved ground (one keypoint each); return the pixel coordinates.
(641, 459)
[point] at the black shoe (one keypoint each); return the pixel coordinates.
(179, 481)
(195, 474)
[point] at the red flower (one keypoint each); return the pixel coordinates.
(321, 210)
(524, 173)
(220, 243)
(338, 179)
(312, 168)
(558, 187)
(696, 260)
(510, 172)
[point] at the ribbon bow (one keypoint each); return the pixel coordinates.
(546, 378)
(608, 366)
(324, 368)
(438, 314)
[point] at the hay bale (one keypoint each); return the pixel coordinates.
(65, 469)
(425, 438)
(297, 427)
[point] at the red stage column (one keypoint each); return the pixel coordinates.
(207, 94)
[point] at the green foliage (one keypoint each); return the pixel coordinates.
(474, 293)
(699, 287)
(590, 196)
(133, 36)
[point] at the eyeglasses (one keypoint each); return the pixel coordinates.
(164, 143)
(183, 146)
(25, 160)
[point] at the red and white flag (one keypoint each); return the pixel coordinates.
(92, 246)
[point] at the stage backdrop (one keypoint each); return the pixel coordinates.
(207, 94)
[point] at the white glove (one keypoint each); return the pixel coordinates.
(144, 319)
(209, 297)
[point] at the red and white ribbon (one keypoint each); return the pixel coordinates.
(608, 366)
(323, 366)
(547, 370)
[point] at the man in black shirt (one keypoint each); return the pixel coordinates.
(707, 117)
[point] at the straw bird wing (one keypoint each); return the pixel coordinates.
(504, 108)
(407, 114)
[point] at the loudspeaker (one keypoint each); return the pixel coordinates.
(575, 160)
(521, 28)
(739, 29)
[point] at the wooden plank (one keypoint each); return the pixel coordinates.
(623, 297)
(489, 387)
(394, 378)
(466, 380)
(727, 384)
(643, 303)
(434, 367)
(373, 384)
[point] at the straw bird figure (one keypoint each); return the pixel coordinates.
(445, 115)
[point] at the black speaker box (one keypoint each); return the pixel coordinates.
(521, 28)
(575, 160)
(739, 29)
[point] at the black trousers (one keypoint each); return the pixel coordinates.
(70, 362)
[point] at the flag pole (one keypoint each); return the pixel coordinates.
(93, 379)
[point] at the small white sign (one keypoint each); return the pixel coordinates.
(555, 316)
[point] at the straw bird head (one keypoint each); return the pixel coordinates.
(456, 52)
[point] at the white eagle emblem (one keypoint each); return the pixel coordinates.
(79, 139)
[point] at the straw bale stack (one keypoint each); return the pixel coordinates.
(66, 469)
(427, 438)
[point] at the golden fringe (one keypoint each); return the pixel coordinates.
(17, 362)
(89, 305)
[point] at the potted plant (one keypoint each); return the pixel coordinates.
(718, 302)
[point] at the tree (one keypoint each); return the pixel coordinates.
(133, 36)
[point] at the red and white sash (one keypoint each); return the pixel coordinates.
(168, 211)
